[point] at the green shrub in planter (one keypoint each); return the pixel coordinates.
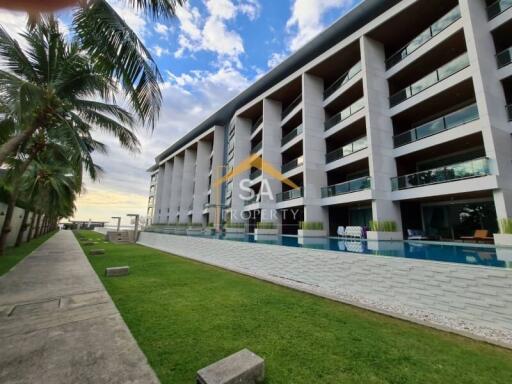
(383, 226)
(265, 226)
(311, 226)
(235, 225)
(196, 225)
(506, 226)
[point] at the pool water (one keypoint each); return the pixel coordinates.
(484, 255)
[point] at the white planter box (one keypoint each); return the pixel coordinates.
(270, 231)
(194, 230)
(235, 230)
(384, 236)
(501, 240)
(312, 233)
(209, 231)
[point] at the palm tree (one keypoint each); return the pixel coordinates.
(53, 91)
(114, 50)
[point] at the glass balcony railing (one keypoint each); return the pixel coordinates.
(452, 120)
(292, 135)
(254, 175)
(432, 31)
(251, 201)
(345, 114)
(348, 187)
(257, 148)
(447, 70)
(256, 125)
(509, 112)
(291, 106)
(464, 170)
(497, 8)
(346, 150)
(290, 195)
(342, 80)
(504, 58)
(292, 164)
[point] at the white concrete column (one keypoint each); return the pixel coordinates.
(242, 152)
(175, 195)
(490, 98)
(187, 184)
(215, 214)
(315, 177)
(166, 192)
(271, 154)
(157, 214)
(379, 130)
(204, 148)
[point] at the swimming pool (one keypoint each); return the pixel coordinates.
(484, 255)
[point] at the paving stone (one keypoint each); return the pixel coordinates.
(244, 367)
(117, 271)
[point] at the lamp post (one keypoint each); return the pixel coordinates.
(118, 222)
(136, 229)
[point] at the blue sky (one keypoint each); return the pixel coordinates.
(210, 53)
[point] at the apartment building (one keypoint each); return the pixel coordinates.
(400, 111)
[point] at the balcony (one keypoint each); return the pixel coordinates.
(346, 150)
(425, 36)
(498, 8)
(509, 112)
(345, 114)
(290, 195)
(450, 121)
(464, 170)
(251, 201)
(504, 58)
(257, 124)
(447, 70)
(257, 148)
(254, 175)
(291, 107)
(344, 79)
(292, 164)
(292, 135)
(348, 187)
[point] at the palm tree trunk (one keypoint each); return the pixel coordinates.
(31, 229)
(6, 227)
(36, 229)
(23, 228)
(11, 146)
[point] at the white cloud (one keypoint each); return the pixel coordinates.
(159, 51)
(276, 58)
(162, 29)
(306, 19)
(133, 17)
(211, 32)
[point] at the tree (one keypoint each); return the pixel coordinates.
(53, 90)
(114, 50)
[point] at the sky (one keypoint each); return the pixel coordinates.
(212, 51)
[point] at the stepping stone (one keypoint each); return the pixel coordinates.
(244, 367)
(95, 252)
(117, 271)
(89, 243)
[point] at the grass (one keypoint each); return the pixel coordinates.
(383, 226)
(506, 226)
(186, 315)
(311, 226)
(13, 255)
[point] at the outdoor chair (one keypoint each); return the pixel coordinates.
(479, 235)
(416, 234)
(341, 231)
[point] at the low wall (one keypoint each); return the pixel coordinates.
(470, 300)
(16, 222)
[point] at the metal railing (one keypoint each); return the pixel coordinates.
(447, 70)
(254, 175)
(292, 135)
(425, 36)
(257, 148)
(347, 187)
(251, 201)
(450, 121)
(290, 195)
(345, 114)
(342, 80)
(346, 150)
(504, 58)
(291, 106)
(498, 8)
(256, 125)
(292, 164)
(463, 170)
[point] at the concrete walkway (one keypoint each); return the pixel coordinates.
(59, 325)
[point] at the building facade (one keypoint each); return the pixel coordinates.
(400, 111)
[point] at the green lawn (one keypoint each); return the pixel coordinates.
(186, 315)
(13, 255)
